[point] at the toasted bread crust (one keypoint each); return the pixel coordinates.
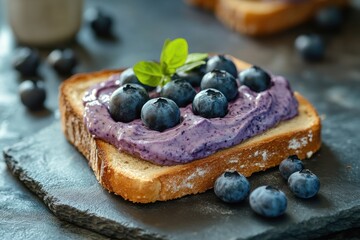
(169, 182)
(263, 18)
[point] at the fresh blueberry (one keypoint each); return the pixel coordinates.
(231, 187)
(128, 76)
(268, 201)
(202, 68)
(222, 81)
(26, 61)
(63, 61)
(221, 62)
(310, 47)
(290, 165)
(99, 21)
(180, 91)
(160, 114)
(329, 18)
(255, 78)
(304, 184)
(210, 103)
(192, 77)
(32, 94)
(126, 102)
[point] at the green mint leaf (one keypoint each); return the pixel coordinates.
(164, 80)
(162, 56)
(166, 70)
(174, 58)
(196, 57)
(174, 55)
(170, 71)
(189, 66)
(148, 73)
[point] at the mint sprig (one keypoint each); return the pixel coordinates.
(174, 58)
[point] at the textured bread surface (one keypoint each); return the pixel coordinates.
(264, 17)
(140, 181)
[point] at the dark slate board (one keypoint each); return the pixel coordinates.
(60, 176)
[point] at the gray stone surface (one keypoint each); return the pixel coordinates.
(24, 216)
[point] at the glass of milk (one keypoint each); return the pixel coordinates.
(44, 22)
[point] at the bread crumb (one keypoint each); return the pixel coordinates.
(264, 155)
(199, 172)
(304, 141)
(298, 143)
(187, 183)
(233, 161)
(259, 165)
(310, 136)
(294, 144)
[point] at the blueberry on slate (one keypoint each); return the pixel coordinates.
(221, 62)
(304, 184)
(63, 61)
(255, 78)
(222, 81)
(160, 114)
(290, 165)
(26, 61)
(180, 91)
(32, 94)
(231, 187)
(128, 76)
(100, 22)
(126, 102)
(268, 201)
(329, 18)
(310, 47)
(210, 103)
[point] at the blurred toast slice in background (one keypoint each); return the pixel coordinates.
(257, 18)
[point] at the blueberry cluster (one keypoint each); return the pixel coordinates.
(233, 187)
(217, 79)
(311, 47)
(302, 182)
(27, 61)
(268, 201)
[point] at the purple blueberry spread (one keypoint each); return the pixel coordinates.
(195, 137)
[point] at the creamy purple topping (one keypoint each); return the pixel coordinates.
(195, 137)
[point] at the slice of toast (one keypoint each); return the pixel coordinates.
(254, 17)
(140, 181)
